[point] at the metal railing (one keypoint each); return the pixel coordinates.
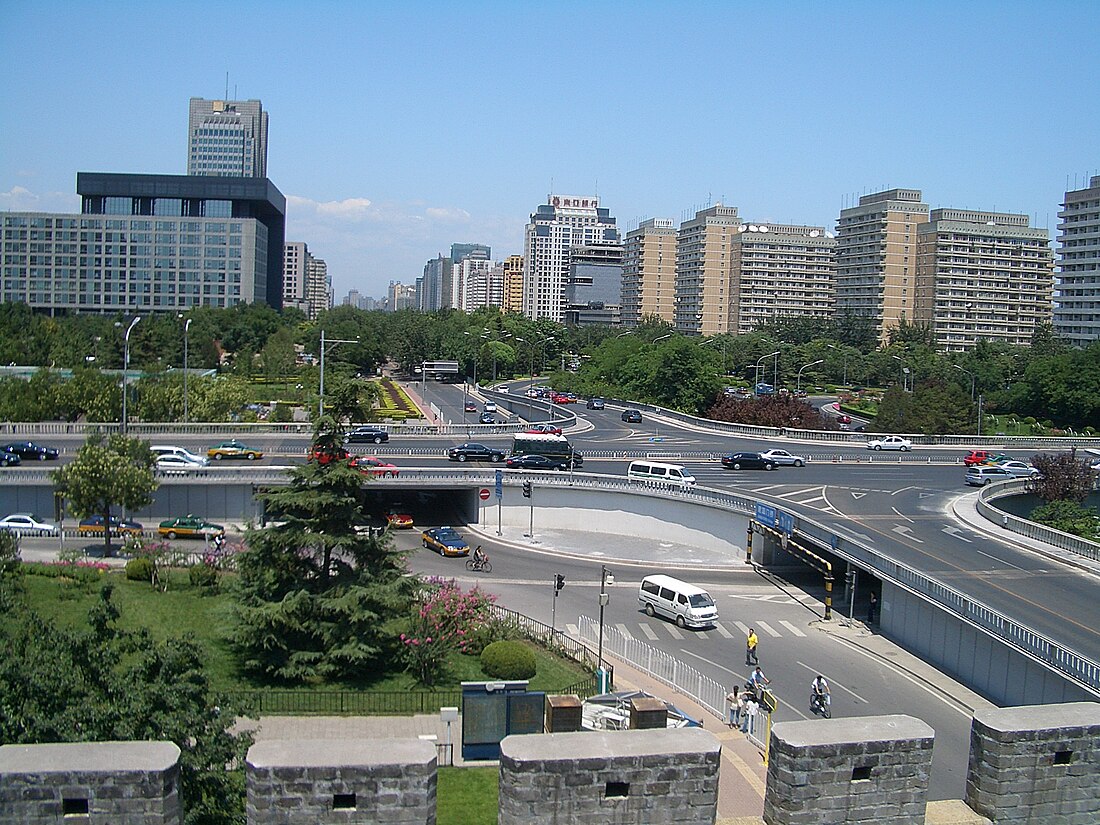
(340, 702)
(1032, 530)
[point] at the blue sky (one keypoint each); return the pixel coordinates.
(398, 128)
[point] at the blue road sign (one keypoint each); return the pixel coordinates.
(765, 514)
(500, 484)
(786, 522)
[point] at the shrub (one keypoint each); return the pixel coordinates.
(203, 575)
(508, 660)
(493, 630)
(139, 569)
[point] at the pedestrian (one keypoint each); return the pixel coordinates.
(734, 711)
(759, 681)
(872, 608)
(748, 719)
(750, 648)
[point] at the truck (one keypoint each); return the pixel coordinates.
(547, 444)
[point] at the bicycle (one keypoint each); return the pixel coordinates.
(820, 703)
(479, 566)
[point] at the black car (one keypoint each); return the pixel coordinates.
(487, 418)
(365, 435)
(747, 461)
(29, 451)
(595, 404)
(535, 462)
(9, 459)
(632, 416)
(475, 452)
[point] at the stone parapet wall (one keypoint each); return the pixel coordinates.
(90, 783)
(1036, 764)
(317, 782)
(645, 777)
(867, 769)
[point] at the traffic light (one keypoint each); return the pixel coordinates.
(559, 581)
(527, 489)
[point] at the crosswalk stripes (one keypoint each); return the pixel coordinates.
(624, 630)
(649, 632)
(791, 628)
(721, 628)
(744, 628)
(676, 634)
(767, 628)
(572, 630)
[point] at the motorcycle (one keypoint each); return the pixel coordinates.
(819, 703)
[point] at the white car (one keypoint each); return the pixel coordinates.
(1019, 469)
(28, 524)
(177, 464)
(891, 442)
(490, 406)
(782, 457)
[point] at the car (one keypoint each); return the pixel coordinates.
(595, 404)
(233, 449)
(189, 527)
(747, 461)
(490, 407)
(177, 464)
(446, 541)
(843, 419)
(535, 462)
(9, 459)
(365, 435)
(999, 458)
(891, 442)
(978, 475)
(976, 457)
(472, 451)
(30, 451)
(160, 450)
(632, 416)
(543, 429)
(469, 406)
(28, 524)
(487, 418)
(532, 393)
(398, 519)
(370, 465)
(503, 388)
(783, 458)
(326, 455)
(93, 525)
(801, 394)
(1018, 469)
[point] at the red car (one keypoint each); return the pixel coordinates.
(399, 520)
(976, 457)
(543, 429)
(369, 465)
(327, 455)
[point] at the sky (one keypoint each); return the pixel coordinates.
(399, 128)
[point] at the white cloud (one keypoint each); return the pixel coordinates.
(20, 199)
(447, 214)
(349, 209)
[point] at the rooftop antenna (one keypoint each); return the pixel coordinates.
(227, 85)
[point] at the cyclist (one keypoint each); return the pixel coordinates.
(820, 695)
(480, 557)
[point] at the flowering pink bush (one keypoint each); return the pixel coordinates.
(444, 620)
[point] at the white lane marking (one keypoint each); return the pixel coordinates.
(769, 487)
(792, 628)
(796, 493)
(572, 630)
(648, 632)
(722, 631)
(744, 628)
(767, 628)
(702, 634)
(833, 682)
(999, 560)
(904, 530)
(902, 515)
(955, 533)
(903, 489)
(676, 634)
(624, 630)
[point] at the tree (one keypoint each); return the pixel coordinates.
(1069, 517)
(1062, 477)
(106, 474)
(316, 598)
(10, 569)
(98, 683)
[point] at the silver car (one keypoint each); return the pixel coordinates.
(783, 458)
(28, 524)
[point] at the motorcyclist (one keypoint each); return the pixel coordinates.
(819, 693)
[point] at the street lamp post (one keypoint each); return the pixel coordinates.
(126, 368)
(760, 366)
(186, 329)
(969, 373)
(606, 578)
(833, 346)
(321, 387)
(904, 373)
(798, 382)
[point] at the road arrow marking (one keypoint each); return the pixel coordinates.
(903, 530)
(857, 496)
(954, 532)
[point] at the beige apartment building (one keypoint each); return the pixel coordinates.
(1077, 314)
(649, 272)
(780, 271)
(876, 257)
(704, 250)
(513, 283)
(982, 276)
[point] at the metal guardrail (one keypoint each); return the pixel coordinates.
(1032, 530)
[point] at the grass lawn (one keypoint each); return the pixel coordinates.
(184, 609)
(467, 796)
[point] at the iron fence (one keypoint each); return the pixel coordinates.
(344, 702)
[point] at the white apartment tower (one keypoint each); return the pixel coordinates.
(1077, 299)
(563, 222)
(982, 276)
(227, 138)
(780, 271)
(876, 257)
(306, 283)
(649, 272)
(704, 250)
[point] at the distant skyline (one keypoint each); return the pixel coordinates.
(398, 129)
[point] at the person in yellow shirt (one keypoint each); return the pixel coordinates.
(750, 648)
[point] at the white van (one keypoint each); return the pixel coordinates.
(161, 450)
(658, 471)
(686, 604)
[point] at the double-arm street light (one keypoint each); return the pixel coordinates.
(905, 373)
(968, 372)
(321, 388)
(760, 366)
(798, 382)
(126, 368)
(834, 346)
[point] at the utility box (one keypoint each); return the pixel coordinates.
(648, 713)
(563, 714)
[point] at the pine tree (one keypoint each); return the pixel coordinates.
(318, 599)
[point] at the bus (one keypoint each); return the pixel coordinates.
(764, 389)
(551, 446)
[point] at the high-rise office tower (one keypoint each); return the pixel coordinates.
(649, 272)
(306, 283)
(460, 251)
(595, 286)
(780, 271)
(563, 222)
(434, 286)
(227, 138)
(513, 283)
(704, 249)
(482, 283)
(318, 287)
(400, 296)
(982, 276)
(876, 257)
(1077, 297)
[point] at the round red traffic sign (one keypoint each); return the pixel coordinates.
(484, 494)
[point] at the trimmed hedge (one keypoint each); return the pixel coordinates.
(508, 660)
(139, 569)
